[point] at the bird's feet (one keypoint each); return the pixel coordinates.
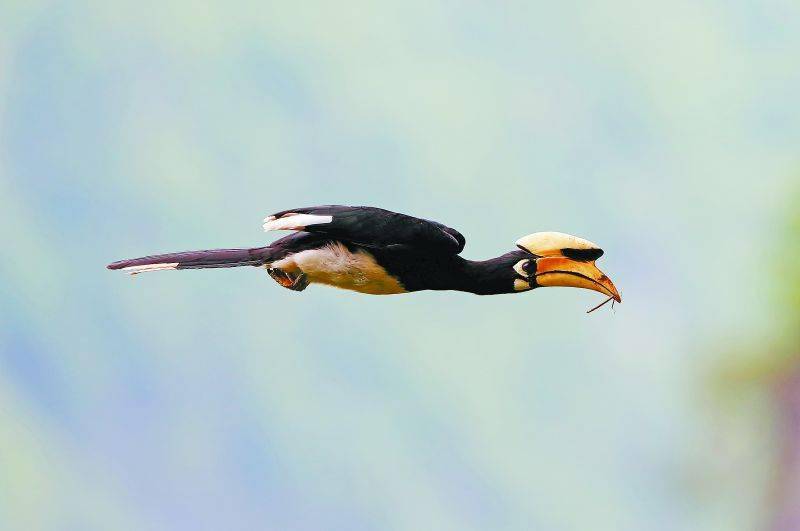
(294, 282)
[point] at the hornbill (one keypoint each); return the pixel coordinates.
(375, 251)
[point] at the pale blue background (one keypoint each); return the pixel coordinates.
(668, 132)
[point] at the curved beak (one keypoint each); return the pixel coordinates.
(563, 271)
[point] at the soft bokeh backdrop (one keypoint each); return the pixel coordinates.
(666, 131)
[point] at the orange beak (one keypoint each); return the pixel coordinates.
(562, 271)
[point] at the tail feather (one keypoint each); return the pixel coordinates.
(194, 260)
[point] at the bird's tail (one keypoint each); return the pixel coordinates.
(256, 256)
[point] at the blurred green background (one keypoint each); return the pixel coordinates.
(668, 132)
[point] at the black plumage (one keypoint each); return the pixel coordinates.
(378, 228)
(377, 251)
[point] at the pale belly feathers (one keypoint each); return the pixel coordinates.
(334, 265)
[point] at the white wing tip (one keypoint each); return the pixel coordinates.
(294, 222)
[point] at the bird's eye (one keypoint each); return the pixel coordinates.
(524, 267)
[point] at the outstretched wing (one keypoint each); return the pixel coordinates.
(369, 226)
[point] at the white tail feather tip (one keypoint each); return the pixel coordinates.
(135, 270)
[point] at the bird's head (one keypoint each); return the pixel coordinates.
(558, 259)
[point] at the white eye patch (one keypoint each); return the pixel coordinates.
(519, 268)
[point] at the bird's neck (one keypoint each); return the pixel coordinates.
(486, 277)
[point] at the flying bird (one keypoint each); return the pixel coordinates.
(375, 251)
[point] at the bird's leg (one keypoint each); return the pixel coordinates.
(300, 282)
(279, 276)
(296, 281)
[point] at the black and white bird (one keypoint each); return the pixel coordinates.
(375, 251)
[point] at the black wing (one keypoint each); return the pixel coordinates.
(371, 227)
